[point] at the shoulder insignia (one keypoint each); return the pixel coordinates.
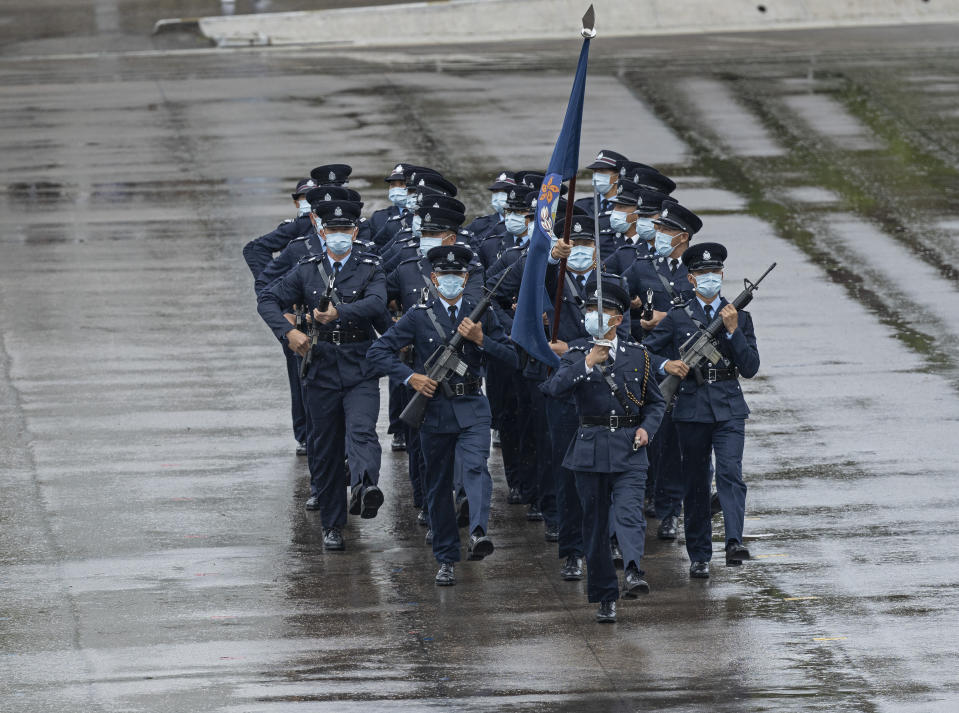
(308, 258)
(302, 237)
(288, 220)
(577, 349)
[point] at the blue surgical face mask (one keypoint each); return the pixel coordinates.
(663, 244)
(339, 243)
(302, 207)
(317, 223)
(415, 225)
(580, 258)
(398, 197)
(450, 286)
(709, 284)
(602, 183)
(618, 221)
(411, 201)
(645, 230)
(498, 201)
(427, 244)
(592, 325)
(516, 223)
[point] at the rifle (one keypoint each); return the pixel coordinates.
(700, 347)
(314, 331)
(445, 360)
(647, 313)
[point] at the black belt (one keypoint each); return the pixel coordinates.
(344, 336)
(464, 388)
(610, 422)
(711, 375)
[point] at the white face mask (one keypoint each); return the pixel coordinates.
(302, 207)
(398, 197)
(498, 201)
(427, 244)
(593, 326)
(339, 243)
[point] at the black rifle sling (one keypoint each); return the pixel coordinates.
(325, 276)
(614, 388)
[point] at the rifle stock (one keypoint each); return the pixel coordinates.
(314, 332)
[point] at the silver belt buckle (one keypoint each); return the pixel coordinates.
(335, 337)
(711, 375)
(613, 423)
(459, 389)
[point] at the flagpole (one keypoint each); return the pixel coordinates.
(561, 282)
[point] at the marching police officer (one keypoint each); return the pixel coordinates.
(710, 411)
(620, 407)
(456, 426)
(485, 225)
(341, 391)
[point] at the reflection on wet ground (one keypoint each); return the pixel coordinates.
(154, 554)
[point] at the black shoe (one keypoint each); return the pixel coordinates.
(606, 614)
(634, 584)
(301, 448)
(667, 528)
(313, 503)
(398, 443)
(514, 497)
(736, 552)
(552, 533)
(463, 514)
(356, 500)
(429, 537)
(649, 508)
(699, 570)
(333, 540)
(372, 499)
(421, 518)
(572, 571)
(445, 577)
(534, 514)
(480, 546)
(617, 555)
(714, 507)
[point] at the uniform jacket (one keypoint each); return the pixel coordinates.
(443, 414)
(259, 252)
(711, 402)
(599, 449)
(407, 282)
(361, 287)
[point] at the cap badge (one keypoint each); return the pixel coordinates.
(619, 189)
(422, 182)
(332, 175)
(599, 156)
(578, 227)
(665, 213)
(502, 177)
(706, 255)
(512, 194)
(427, 218)
(338, 212)
(311, 183)
(450, 256)
(327, 197)
(399, 168)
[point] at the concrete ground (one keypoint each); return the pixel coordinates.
(154, 552)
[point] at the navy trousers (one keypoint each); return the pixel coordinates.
(470, 448)
(726, 439)
(667, 487)
(563, 424)
(398, 398)
(605, 497)
(502, 403)
(342, 422)
(296, 393)
(539, 441)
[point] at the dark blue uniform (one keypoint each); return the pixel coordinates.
(454, 428)
(341, 391)
(710, 417)
(259, 252)
(607, 469)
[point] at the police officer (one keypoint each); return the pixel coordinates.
(259, 251)
(634, 210)
(457, 421)
(710, 411)
(605, 170)
(620, 407)
(396, 193)
(485, 225)
(341, 391)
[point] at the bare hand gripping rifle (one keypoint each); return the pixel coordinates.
(314, 331)
(701, 348)
(446, 361)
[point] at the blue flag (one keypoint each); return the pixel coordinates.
(528, 329)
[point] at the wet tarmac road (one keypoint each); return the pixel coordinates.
(154, 553)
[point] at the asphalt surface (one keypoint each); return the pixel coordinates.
(154, 552)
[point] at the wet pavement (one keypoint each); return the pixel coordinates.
(154, 553)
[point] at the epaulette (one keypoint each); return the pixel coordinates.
(369, 261)
(409, 259)
(632, 343)
(515, 247)
(288, 220)
(679, 306)
(362, 220)
(420, 305)
(302, 237)
(394, 217)
(308, 258)
(577, 349)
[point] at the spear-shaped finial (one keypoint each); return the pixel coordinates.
(589, 24)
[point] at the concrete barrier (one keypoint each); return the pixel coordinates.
(460, 21)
